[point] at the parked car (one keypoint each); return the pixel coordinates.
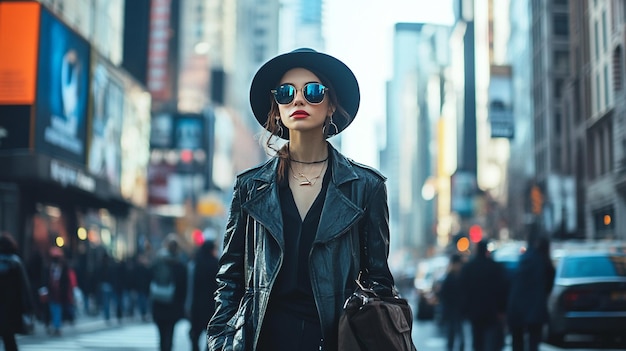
(589, 295)
(428, 278)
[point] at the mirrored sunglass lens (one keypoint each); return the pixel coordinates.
(314, 92)
(284, 94)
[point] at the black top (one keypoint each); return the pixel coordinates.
(292, 291)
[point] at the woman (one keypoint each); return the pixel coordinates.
(299, 223)
(15, 294)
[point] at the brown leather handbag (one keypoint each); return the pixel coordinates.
(374, 322)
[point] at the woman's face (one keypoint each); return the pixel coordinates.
(300, 115)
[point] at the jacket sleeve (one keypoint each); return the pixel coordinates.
(376, 233)
(230, 276)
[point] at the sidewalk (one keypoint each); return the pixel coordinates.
(83, 324)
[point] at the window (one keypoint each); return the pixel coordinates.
(606, 86)
(561, 24)
(596, 39)
(561, 60)
(558, 89)
(604, 35)
(617, 69)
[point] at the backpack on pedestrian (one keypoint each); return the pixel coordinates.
(162, 286)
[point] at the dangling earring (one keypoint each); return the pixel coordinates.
(280, 128)
(330, 123)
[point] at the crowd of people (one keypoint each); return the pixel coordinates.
(55, 289)
(495, 303)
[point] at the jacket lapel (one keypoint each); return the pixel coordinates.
(339, 212)
(264, 203)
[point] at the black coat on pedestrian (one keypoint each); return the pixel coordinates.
(174, 310)
(531, 285)
(15, 295)
(204, 286)
(451, 296)
(485, 286)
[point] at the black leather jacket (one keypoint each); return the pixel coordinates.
(355, 207)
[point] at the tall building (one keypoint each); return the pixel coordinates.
(595, 107)
(553, 152)
(521, 164)
(301, 21)
(414, 108)
(76, 127)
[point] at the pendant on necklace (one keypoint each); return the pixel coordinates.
(307, 181)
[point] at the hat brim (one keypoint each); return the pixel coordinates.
(341, 77)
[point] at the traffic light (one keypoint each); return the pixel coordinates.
(536, 200)
(475, 233)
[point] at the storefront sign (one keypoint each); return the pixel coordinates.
(70, 176)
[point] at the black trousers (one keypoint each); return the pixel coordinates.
(487, 336)
(166, 334)
(518, 334)
(283, 331)
(9, 342)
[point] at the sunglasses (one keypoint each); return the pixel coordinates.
(313, 93)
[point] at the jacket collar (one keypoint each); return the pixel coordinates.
(338, 214)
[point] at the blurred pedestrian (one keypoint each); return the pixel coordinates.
(106, 275)
(16, 302)
(36, 269)
(203, 289)
(451, 299)
(485, 287)
(168, 289)
(139, 286)
(59, 289)
(532, 283)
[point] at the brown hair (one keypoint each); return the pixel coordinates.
(275, 130)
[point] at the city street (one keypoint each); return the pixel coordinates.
(95, 335)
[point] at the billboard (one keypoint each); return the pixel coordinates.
(107, 114)
(19, 32)
(135, 144)
(177, 171)
(62, 90)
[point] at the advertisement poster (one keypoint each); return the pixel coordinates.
(62, 90)
(107, 92)
(189, 132)
(135, 145)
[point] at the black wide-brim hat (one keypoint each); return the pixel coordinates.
(343, 82)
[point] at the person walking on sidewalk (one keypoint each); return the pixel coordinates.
(527, 309)
(168, 290)
(16, 301)
(59, 286)
(485, 286)
(451, 297)
(204, 286)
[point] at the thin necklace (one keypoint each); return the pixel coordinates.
(308, 163)
(307, 180)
